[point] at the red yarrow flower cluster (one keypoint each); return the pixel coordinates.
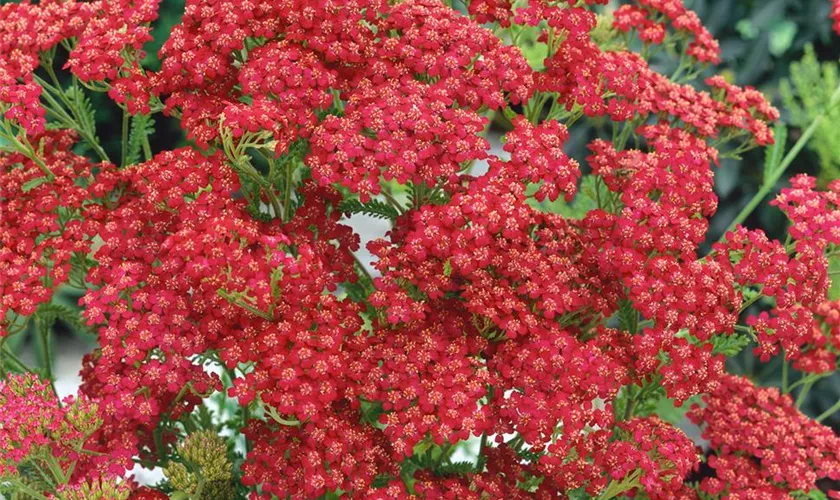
(26, 31)
(525, 308)
(48, 219)
(37, 430)
(430, 377)
(763, 446)
(110, 49)
(651, 17)
(312, 459)
(654, 459)
(835, 15)
(799, 282)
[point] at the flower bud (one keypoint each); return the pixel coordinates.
(205, 458)
(95, 489)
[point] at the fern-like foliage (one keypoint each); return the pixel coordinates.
(729, 345)
(83, 110)
(807, 94)
(142, 126)
(457, 468)
(373, 208)
(48, 314)
(773, 155)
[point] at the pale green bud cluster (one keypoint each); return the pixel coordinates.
(206, 470)
(97, 489)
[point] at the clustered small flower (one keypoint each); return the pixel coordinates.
(491, 317)
(651, 17)
(763, 446)
(206, 470)
(38, 430)
(95, 489)
(620, 84)
(655, 456)
(48, 219)
(110, 48)
(309, 460)
(796, 277)
(26, 30)
(835, 15)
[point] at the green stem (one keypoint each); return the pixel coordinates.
(627, 129)
(750, 302)
(827, 413)
(418, 194)
(77, 121)
(48, 479)
(46, 352)
(482, 458)
(617, 488)
(200, 489)
(804, 392)
(25, 148)
(248, 307)
(243, 165)
(159, 446)
(287, 197)
(534, 108)
(147, 148)
(272, 412)
(246, 417)
(124, 138)
(274, 201)
(393, 201)
(6, 355)
(785, 387)
(55, 469)
(481, 449)
(362, 268)
(26, 489)
(444, 453)
(804, 380)
(629, 409)
(775, 175)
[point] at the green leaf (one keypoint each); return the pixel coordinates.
(781, 36)
(814, 494)
(628, 317)
(645, 398)
(729, 345)
(509, 113)
(457, 468)
(773, 154)
(382, 480)
(422, 446)
(373, 208)
(447, 268)
(33, 183)
(80, 264)
(371, 411)
(142, 126)
(673, 414)
(85, 113)
(806, 95)
(591, 191)
(834, 266)
(578, 494)
(47, 314)
(746, 29)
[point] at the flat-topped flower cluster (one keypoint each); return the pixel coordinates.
(226, 271)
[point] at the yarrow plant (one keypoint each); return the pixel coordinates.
(522, 320)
